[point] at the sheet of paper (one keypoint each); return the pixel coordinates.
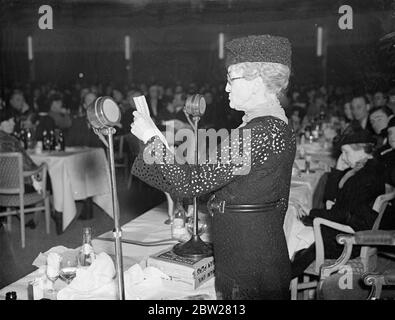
(141, 105)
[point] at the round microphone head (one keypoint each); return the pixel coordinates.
(195, 105)
(103, 112)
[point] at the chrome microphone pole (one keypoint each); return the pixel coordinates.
(103, 114)
(117, 228)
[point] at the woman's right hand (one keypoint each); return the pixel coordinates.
(341, 163)
(143, 127)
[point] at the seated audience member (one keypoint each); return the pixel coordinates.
(297, 114)
(154, 102)
(9, 143)
(391, 100)
(81, 133)
(379, 117)
(347, 112)
(315, 108)
(350, 191)
(20, 110)
(172, 113)
(360, 112)
(117, 96)
(58, 113)
(43, 121)
(379, 99)
(386, 154)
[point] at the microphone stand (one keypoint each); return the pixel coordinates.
(195, 248)
(117, 232)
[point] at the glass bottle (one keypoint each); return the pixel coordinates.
(57, 140)
(86, 254)
(22, 138)
(45, 140)
(61, 140)
(178, 230)
(29, 139)
(52, 140)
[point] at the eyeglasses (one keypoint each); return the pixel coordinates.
(230, 79)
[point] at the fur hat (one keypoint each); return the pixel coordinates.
(262, 48)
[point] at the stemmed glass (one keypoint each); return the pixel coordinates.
(52, 275)
(68, 267)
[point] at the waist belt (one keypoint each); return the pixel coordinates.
(220, 206)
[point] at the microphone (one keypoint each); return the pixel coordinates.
(195, 248)
(195, 105)
(103, 113)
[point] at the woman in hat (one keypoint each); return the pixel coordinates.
(250, 251)
(351, 189)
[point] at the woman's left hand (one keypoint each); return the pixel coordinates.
(360, 164)
(143, 127)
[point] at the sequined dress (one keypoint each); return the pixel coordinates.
(250, 252)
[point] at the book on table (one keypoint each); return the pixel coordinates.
(190, 271)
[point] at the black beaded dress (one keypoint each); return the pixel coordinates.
(250, 251)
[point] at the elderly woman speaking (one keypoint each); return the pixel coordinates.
(248, 206)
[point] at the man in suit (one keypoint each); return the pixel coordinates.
(360, 112)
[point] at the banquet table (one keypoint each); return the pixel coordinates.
(77, 173)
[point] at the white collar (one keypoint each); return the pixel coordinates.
(274, 110)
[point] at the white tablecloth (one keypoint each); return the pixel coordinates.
(303, 187)
(77, 174)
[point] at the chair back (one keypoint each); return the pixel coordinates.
(380, 205)
(368, 254)
(11, 173)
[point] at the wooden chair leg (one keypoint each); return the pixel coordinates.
(47, 214)
(9, 221)
(22, 216)
(306, 291)
(36, 218)
(294, 289)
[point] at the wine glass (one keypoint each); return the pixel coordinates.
(52, 275)
(68, 267)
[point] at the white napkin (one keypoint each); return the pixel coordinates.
(143, 284)
(41, 259)
(306, 235)
(98, 282)
(95, 282)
